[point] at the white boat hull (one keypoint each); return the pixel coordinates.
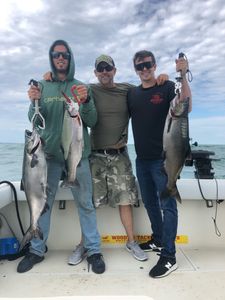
(200, 252)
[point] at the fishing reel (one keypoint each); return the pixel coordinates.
(202, 162)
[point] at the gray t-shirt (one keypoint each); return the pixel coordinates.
(111, 129)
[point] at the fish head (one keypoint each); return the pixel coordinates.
(70, 105)
(72, 110)
(32, 141)
(179, 108)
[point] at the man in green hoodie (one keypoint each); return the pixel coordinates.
(52, 107)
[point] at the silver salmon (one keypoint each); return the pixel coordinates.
(72, 142)
(34, 183)
(176, 145)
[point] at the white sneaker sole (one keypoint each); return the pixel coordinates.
(136, 257)
(153, 250)
(72, 263)
(172, 269)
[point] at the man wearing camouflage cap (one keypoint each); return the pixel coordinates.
(113, 179)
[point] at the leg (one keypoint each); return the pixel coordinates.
(98, 165)
(150, 197)
(123, 192)
(54, 175)
(169, 209)
(86, 210)
(87, 215)
(127, 220)
(167, 261)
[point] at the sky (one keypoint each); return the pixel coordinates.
(118, 28)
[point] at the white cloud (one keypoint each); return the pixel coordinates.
(13, 9)
(119, 28)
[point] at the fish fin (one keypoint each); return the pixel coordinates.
(46, 208)
(166, 193)
(22, 186)
(177, 196)
(42, 141)
(29, 235)
(69, 184)
(34, 161)
(76, 183)
(163, 155)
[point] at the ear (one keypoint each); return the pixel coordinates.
(95, 73)
(115, 71)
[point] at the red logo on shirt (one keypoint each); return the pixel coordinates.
(156, 99)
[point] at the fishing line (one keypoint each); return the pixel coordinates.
(217, 231)
(1, 215)
(16, 203)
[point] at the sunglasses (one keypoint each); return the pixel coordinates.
(100, 68)
(147, 65)
(65, 55)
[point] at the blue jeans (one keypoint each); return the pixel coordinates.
(86, 210)
(162, 213)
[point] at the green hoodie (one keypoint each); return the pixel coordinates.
(52, 107)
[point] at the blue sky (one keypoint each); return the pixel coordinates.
(118, 28)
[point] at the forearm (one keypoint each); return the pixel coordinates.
(186, 92)
(88, 113)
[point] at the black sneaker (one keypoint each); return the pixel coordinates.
(163, 267)
(97, 262)
(150, 245)
(28, 262)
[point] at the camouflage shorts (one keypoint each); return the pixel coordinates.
(113, 180)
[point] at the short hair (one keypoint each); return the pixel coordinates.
(142, 54)
(60, 43)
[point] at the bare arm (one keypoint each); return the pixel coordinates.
(182, 67)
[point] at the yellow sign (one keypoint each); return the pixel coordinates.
(121, 239)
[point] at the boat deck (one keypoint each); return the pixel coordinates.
(201, 275)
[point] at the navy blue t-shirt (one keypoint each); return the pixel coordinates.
(148, 109)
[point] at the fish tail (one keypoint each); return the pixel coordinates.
(177, 195)
(46, 207)
(29, 235)
(166, 193)
(70, 184)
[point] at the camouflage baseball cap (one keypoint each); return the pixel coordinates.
(104, 58)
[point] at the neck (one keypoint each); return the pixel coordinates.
(109, 85)
(61, 76)
(149, 83)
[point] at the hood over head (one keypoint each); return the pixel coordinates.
(71, 68)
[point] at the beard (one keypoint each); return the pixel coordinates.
(62, 71)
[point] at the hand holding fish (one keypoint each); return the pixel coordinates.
(79, 93)
(181, 66)
(34, 93)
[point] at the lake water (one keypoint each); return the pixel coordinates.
(11, 158)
